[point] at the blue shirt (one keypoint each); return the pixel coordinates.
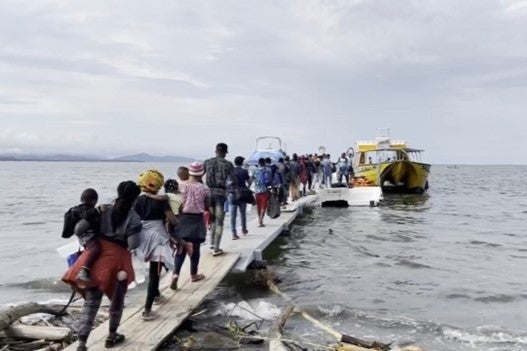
(258, 176)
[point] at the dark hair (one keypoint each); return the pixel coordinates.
(281, 160)
(267, 160)
(238, 160)
(222, 148)
(171, 186)
(127, 192)
(89, 195)
(261, 161)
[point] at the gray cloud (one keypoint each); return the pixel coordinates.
(175, 78)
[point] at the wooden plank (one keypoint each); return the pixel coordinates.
(141, 335)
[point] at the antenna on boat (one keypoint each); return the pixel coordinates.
(383, 133)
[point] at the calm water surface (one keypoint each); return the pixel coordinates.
(444, 270)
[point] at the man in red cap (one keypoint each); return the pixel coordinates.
(218, 170)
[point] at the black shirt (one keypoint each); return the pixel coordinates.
(148, 208)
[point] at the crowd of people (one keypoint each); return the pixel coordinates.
(162, 229)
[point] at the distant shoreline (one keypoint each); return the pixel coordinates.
(141, 157)
(41, 160)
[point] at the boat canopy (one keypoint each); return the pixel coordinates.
(274, 155)
(406, 149)
(267, 146)
(380, 144)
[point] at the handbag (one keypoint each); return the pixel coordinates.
(245, 195)
(72, 258)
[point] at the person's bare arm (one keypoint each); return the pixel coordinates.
(157, 197)
(171, 217)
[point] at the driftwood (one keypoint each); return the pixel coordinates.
(343, 338)
(240, 338)
(14, 313)
(216, 348)
(275, 332)
(36, 332)
(33, 345)
(52, 347)
(348, 347)
(36, 345)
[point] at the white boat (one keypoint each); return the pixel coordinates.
(267, 146)
(344, 196)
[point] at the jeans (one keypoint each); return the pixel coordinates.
(234, 205)
(345, 175)
(326, 179)
(92, 302)
(217, 214)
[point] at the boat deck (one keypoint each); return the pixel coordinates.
(239, 254)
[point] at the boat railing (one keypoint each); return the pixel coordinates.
(273, 138)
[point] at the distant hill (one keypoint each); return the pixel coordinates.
(142, 157)
(48, 157)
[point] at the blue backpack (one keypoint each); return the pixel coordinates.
(266, 178)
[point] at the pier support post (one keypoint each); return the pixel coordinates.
(258, 261)
(258, 255)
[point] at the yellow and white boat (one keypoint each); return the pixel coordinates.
(390, 164)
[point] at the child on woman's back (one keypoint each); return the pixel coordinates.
(84, 220)
(172, 195)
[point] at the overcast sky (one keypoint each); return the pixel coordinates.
(176, 77)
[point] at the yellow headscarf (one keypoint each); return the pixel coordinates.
(151, 181)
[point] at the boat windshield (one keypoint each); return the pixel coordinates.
(388, 155)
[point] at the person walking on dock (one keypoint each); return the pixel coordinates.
(262, 180)
(327, 170)
(343, 168)
(244, 183)
(191, 227)
(155, 243)
(294, 177)
(218, 170)
(113, 271)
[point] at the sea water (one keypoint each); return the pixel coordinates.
(443, 270)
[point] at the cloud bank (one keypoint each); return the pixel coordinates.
(115, 77)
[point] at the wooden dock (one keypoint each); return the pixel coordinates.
(239, 254)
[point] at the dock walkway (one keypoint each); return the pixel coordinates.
(239, 254)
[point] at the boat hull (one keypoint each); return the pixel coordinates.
(344, 196)
(397, 177)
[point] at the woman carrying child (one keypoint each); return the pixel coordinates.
(112, 271)
(87, 231)
(155, 244)
(191, 226)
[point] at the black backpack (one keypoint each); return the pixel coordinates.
(71, 218)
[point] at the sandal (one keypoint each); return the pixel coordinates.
(111, 341)
(197, 277)
(217, 252)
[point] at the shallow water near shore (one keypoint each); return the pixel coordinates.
(443, 270)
